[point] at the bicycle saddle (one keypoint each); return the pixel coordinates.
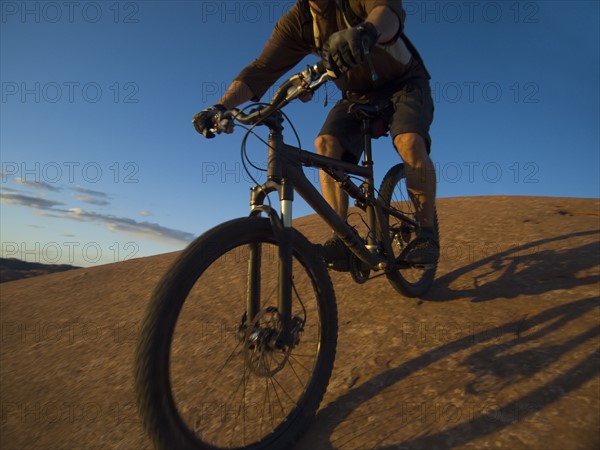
(368, 110)
(375, 112)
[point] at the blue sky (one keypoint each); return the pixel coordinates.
(100, 162)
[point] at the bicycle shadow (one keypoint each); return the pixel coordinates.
(498, 365)
(524, 269)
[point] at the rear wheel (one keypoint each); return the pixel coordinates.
(412, 281)
(206, 376)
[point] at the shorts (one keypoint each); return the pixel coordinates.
(410, 111)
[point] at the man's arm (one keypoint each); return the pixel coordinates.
(236, 94)
(282, 51)
(385, 21)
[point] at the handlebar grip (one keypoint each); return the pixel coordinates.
(320, 68)
(209, 133)
(221, 123)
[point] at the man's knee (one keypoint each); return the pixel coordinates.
(328, 145)
(412, 148)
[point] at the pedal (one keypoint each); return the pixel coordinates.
(359, 271)
(423, 266)
(338, 266)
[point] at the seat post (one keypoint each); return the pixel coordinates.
(368, 162)
(366, 132)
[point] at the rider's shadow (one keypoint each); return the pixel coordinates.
(523, 270)
(495, 367)
(498, 366)
(507, 362)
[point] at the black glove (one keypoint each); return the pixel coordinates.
(204, 120)
(347, 48)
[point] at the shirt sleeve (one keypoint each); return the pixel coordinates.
(283, 50)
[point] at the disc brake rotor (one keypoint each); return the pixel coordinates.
(263, 352)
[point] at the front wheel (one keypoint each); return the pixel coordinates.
(408, 280)
(209, 377)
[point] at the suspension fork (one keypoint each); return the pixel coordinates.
(282, 227)
(284, 297)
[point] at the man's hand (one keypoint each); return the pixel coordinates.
(203, 121)
(347, 48)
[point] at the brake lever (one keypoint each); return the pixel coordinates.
(324, 78)
(226, 125)
(367, 51)
(222, 123)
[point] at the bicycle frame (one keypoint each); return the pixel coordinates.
(285, 175)
(260, 364)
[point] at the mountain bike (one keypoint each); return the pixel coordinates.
(239, 339)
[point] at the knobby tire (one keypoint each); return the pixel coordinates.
(161, 418)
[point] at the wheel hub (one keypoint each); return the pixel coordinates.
(265, 350)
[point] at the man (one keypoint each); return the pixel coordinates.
(362, 42)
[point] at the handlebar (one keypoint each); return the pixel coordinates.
(298, 85)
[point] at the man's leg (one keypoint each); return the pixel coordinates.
(330, 146)
(333, 251)
(421, 185)
(420, 175)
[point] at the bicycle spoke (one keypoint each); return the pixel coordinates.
(278, 398)
(299, 363)
(267, 399)
(227, 360)
(295, 373)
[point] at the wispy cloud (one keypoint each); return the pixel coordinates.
(145, 230)
(37, 185)
(148, 230)
(145, 213)
(90, 192)
(91, 200)
(15, 198)
(91, 197)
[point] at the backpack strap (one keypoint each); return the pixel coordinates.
(350, 18)
(316, 31)
(411, 48)
(308, 26)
